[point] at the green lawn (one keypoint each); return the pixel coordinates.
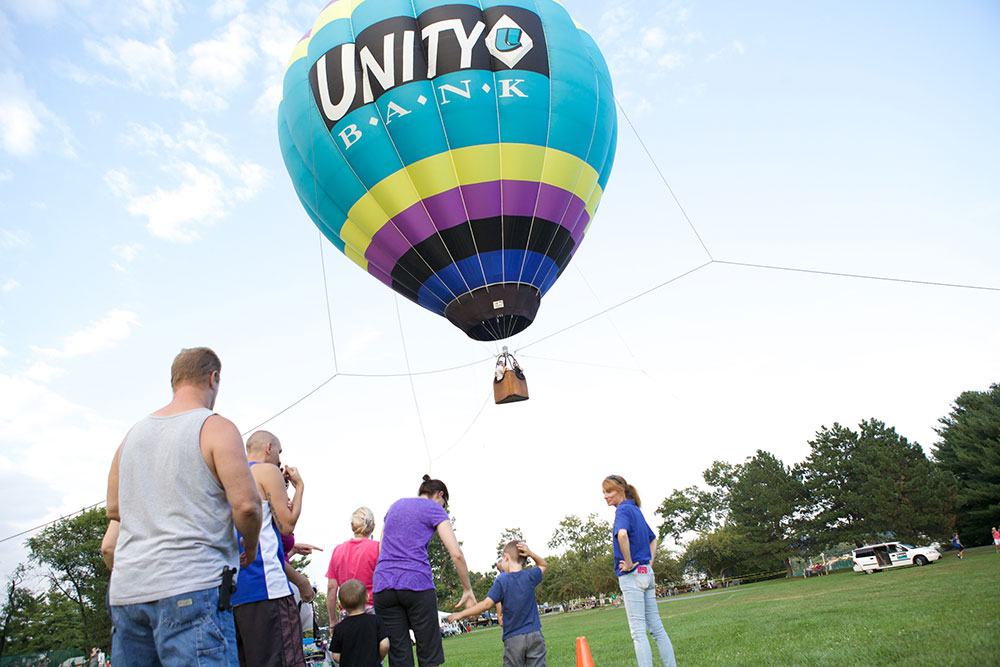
(943, 614)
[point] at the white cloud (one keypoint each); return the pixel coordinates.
(221, 63)
(175, 214)
(126, 253)
(97, 337)
(6, 175)
(26, 124)
(118, 182)
(62, 449)
(3, 352)
(156, 16)
(738, 47)
(150, 66)
(672, 60)
(44, 373)
(16, 239)
(222, 9)
(654, 38)
(9, 286)
(209, 180)
(34, 11)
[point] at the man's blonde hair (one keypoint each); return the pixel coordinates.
(194, 365)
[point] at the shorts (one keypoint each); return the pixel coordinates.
(996, 541)
(402, 611)
(269, 633)
(524, 650)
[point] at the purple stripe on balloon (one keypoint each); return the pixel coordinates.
(474, 202)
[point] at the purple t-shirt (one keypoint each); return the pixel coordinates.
(402, 561)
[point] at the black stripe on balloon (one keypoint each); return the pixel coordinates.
(511, 232)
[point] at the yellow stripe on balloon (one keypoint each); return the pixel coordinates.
(355, 257)
(475, 164)
(355, 243)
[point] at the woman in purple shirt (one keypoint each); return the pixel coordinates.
(403, 584)
(634, 546)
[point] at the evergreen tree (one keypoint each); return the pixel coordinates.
(970, 450)
(764, 500)
(872, 484)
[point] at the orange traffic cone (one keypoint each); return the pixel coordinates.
(583, 658)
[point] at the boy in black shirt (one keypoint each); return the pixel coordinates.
(360, 640)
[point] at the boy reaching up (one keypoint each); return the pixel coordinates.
(360, 640)
(523, 643)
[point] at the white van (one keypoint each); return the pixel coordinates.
(876, 557)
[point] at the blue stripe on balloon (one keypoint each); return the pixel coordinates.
(493, 264)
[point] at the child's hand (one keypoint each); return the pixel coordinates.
(523, 550)
(451, 618)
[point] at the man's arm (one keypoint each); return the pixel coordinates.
(332, 588)
(109, 542)
(475, 610)
(222, 448)
(301, 582)
(112, 500)
(450, 542)
(272, 482)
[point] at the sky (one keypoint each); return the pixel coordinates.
(144, 207)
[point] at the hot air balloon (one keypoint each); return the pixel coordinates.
(455, 150)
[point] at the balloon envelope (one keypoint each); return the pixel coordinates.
(457, 151)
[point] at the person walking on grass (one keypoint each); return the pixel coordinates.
(996, 540)
(955, 542)
(523, 643)
(634, 546)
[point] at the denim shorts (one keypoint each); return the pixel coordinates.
(186, 629)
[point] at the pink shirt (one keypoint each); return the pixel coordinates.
(354, 559)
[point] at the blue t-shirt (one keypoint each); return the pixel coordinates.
(955, 543)
(640, 535)
(516, 592)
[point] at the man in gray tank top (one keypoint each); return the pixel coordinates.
(179, 484)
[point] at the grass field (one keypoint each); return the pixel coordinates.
(947, 613)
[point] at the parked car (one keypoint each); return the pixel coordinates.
(877, 557)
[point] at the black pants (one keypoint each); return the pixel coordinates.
(402, 611)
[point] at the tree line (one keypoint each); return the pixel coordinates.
(856, 485)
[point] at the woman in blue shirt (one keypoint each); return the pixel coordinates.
(634, 545)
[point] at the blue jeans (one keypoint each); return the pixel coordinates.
(186, 629)
(639, 594)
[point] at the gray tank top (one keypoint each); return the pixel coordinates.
(176, 525)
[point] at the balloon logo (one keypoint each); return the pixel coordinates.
(455, 150)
